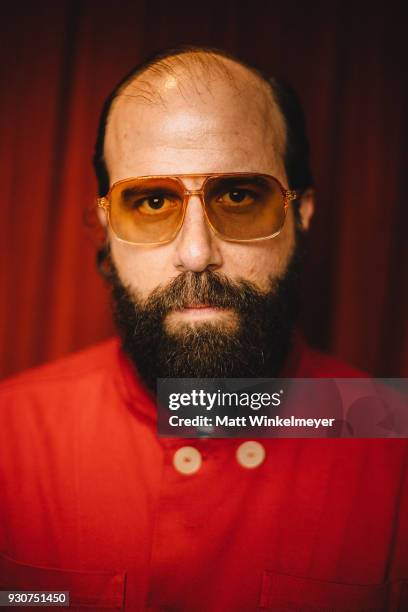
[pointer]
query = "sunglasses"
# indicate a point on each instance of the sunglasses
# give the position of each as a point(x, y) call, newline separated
point(238, 207)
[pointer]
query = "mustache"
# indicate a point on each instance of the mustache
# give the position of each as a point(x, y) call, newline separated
point(211, 288)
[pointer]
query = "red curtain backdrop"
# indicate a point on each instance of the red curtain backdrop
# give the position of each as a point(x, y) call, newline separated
point(60, 59)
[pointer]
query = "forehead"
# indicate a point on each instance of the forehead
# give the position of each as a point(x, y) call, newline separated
point(201, 122)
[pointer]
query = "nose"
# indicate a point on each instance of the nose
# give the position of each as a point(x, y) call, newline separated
point(197, 247)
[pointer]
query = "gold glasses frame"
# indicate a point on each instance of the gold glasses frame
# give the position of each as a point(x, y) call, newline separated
point(288, 196)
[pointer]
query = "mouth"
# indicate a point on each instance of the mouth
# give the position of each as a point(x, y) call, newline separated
point(195, 314)
point(199, 306)
point(199, 310)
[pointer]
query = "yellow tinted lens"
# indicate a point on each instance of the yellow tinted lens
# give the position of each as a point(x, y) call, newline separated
point(245, 207)
point(146, 211)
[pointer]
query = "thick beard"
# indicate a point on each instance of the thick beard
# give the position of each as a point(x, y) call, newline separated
point(255, 346)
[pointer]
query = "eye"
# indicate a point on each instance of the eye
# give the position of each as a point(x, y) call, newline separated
point(155, 204)
point(237, 197)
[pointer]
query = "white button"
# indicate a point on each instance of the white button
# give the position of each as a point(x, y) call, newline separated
point(187, 460)
point(250, 454)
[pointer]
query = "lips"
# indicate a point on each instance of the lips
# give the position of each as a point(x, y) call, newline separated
point(198, 306)
point(199, 312)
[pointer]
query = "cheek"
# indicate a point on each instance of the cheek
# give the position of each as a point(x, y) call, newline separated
point(141, 268)
point(261, 261)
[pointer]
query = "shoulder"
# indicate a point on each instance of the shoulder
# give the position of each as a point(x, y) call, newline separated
point(322, 365)
point(308, 362)
point(64, 373)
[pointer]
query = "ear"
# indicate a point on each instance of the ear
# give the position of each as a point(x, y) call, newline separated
point(103, 219)
point(306, 207)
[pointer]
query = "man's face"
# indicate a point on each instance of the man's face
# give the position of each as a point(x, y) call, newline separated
point(213, 127)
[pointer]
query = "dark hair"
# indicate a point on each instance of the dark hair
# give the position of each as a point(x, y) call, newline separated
point(296, 157)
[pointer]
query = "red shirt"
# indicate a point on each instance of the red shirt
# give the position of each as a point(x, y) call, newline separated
point(93, 502)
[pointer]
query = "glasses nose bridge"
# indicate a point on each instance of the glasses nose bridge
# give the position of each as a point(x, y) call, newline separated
point(201, 194)
point(194, 192)
point(190, 192)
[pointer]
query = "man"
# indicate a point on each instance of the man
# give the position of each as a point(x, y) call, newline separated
point(205, 193)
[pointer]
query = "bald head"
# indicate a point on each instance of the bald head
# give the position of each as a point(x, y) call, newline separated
point(194, 69)
point(195, 113)
point(194, 75)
